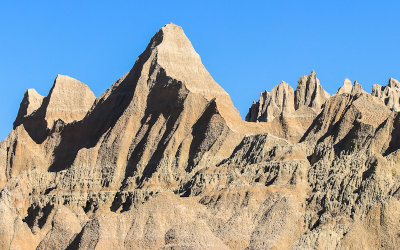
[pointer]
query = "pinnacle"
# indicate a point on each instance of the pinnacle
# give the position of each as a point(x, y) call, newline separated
point(30, 92)
point(174, 53)
point(393, 83)
point(30, 103)
point(66, 83)
point(282, 83)
point(64, 78)
point(357, 89)
point(171, 34)
point(171, 26)
point(346, 87)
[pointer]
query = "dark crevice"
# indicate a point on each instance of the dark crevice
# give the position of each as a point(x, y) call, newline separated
point(37, 216)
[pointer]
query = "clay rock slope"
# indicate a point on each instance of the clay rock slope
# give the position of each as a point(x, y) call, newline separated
point(162, 160)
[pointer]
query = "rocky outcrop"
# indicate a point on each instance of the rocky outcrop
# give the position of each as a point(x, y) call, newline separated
point(389, 94)
point(68, 100)
point(283, 101)
point(349, 88)
point(30, 103)
point(272, 104)
point(289, 112)
point(310, 93)
point(346, 87)
point(163, 160)
point(351, 172)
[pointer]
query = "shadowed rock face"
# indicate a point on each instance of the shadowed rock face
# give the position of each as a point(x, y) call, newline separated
point(68, 100)
point(30, 103)
point(163, 160)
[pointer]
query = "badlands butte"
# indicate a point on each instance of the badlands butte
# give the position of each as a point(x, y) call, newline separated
point(163, 160)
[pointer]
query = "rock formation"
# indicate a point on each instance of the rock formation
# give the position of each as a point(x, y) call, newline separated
point(346, 87)
point(389, 94)
point(310, 93)
point(271, 105)
point(162, 159)
point(291, 112)
point(30, 103)
point(282, 100)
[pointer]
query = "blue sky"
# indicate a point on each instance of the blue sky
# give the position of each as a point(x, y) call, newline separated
point(247, 47)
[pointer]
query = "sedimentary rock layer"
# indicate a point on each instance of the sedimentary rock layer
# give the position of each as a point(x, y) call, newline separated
point(162, 159)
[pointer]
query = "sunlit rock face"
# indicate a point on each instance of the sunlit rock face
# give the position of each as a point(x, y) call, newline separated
point(162, 160)
point(389, 94)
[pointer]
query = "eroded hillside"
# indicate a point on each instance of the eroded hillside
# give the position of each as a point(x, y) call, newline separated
point(162, 159)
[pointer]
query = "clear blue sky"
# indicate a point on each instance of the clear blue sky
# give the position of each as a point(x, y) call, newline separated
point(247, 47)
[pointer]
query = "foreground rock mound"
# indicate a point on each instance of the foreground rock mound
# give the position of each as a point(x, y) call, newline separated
point(162, 159)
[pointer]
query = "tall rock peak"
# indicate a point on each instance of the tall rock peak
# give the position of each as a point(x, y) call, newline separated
point(31, 102)
point(272, 104)
point(283, 100)
point(68, 100)
point(176, 55)
point(283, 96)
point(357, 89)
point(393, 83)
point(170, 58)
point(309, 92)
point(160, 161)
point(346, 87)
point(350, 88)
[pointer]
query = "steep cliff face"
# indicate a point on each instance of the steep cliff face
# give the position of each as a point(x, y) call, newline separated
point(163, 160)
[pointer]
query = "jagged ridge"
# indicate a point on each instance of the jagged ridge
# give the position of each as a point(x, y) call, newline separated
point(163, 160)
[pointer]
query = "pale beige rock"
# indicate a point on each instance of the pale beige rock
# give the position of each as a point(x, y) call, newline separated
point(30, 103)
point(14, 234)
point(284, 117)
point(65, 226)
point(162, 160)
point(271, 105)
point(68, 100)
point(389, 94)
point(346, 88)
point(309, 92)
